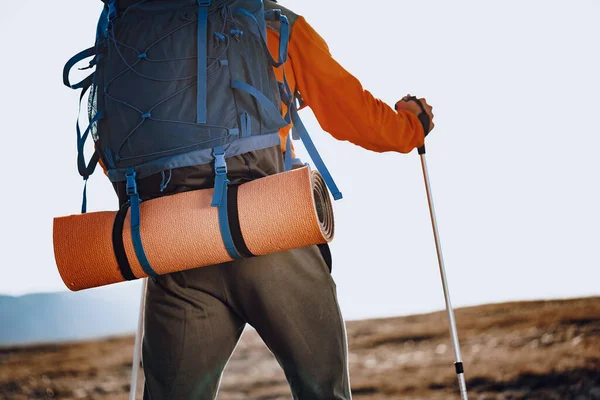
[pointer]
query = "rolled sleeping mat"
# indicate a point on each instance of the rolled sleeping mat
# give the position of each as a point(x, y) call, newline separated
point(180, 232)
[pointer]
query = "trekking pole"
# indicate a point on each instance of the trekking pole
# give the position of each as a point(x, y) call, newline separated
point(138, 344)
point(453, 331)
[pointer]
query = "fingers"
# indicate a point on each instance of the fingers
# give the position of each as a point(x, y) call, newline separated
point(426, 107)
point(428, 110)
point(410, 106)
point(409, 103)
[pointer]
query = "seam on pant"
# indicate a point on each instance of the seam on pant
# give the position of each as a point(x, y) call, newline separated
point(224, 289)
point(204, 354)
point(182, 347)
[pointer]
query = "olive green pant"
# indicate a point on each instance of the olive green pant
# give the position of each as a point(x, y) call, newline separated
point(194, 319)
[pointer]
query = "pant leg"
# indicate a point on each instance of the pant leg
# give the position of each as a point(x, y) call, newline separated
point(290, 298)
point(189, 336)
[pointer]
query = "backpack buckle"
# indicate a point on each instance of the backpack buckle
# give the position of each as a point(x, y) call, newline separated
point(131, 187)
point(203, 3)
point(220, 163)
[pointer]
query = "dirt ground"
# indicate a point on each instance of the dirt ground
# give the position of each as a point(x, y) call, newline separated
point(529, 350)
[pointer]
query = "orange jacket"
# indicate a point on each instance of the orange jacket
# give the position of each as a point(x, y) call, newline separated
point(338, 100)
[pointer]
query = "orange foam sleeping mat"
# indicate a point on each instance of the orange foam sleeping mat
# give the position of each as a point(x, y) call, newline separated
point(180, 232)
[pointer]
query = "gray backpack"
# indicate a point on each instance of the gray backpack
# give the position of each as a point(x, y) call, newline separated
point(179, 83)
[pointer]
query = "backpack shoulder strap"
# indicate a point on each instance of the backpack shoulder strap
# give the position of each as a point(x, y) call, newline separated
point(270, 5)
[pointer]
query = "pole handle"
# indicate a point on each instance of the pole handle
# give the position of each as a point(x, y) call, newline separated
point(423, 118)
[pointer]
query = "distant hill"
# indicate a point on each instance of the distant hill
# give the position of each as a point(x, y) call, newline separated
point(51, 317)
point(542, 350)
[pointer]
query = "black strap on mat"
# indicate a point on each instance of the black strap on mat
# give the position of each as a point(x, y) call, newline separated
point(119, 246)
point(234, 225)
point(234, 222)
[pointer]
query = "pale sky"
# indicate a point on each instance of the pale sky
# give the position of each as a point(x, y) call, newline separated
point(513, 158)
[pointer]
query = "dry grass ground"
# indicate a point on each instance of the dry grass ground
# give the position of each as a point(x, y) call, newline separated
point(532, 350)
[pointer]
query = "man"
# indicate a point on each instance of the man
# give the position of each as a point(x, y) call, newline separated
point(194, 319)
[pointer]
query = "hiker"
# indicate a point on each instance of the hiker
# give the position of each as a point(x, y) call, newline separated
point(194, 319)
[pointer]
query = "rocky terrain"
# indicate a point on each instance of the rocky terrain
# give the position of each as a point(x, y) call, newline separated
point(530, 350)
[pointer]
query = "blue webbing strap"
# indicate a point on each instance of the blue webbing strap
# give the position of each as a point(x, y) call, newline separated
point(71, 63)
point(287, 97)
point(245, 125)
point(112, 9)
point(314, 153)
point(85, 83)
point(284, 38)
point(284, 33)
point(220, 175)
point(84, 199)
point(288, 153)
point(89, 171)
point(202, 84)
point(220, 200)
point(267, 106)
point(136, 237)
point(225, 230)
point(86, 170)
point(102, 27)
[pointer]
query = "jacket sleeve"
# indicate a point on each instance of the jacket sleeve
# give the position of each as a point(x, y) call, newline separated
point(341, 105)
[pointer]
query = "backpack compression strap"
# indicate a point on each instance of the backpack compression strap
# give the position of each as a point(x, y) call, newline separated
point(202, 51)
point(272, 15)
point(136, 237)
point(220, 200)
point(85, 170)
